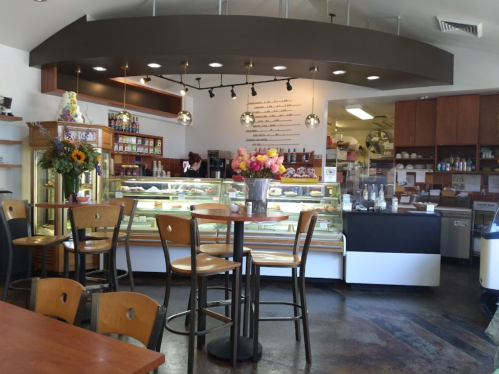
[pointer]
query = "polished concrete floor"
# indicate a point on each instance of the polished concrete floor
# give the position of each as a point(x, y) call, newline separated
point(354, 330)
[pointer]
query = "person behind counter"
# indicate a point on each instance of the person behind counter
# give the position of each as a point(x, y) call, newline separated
point(195, 164)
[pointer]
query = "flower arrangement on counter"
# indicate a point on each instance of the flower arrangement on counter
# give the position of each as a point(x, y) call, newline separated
point(70, 155)
point(258, 165)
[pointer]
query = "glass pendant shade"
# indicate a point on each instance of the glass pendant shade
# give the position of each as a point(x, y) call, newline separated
point(312, 121)
point(124, 117)
point(184, 118)
point(247, 119)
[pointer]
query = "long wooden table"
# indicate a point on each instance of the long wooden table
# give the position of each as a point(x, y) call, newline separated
point(33, 343)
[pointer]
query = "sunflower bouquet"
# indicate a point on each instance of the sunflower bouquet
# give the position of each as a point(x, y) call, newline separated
point(70, 154)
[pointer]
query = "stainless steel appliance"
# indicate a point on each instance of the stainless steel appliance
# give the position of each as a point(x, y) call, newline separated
point(217, 163)
point(456, 233)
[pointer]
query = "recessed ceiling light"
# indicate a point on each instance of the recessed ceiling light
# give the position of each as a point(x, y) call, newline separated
point(154, 65)
point(40, 1)
point(373, 77)
point(424, 97)
point(215, 65)
point(339, 72)
point(99, 68)
point(280, 67)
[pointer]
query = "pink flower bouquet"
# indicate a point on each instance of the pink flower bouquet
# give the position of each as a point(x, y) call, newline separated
point(258, 165)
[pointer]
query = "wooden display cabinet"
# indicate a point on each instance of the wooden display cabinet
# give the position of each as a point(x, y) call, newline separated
point(488, 133)
point(457, 120)
point(415, 123)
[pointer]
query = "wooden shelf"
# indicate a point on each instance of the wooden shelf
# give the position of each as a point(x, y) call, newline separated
point(10, 118)
point(9, 166)
point(10, 142)
point(298, 163)
point(137, 134)
point(414, 159)
point(491, 159)
point(135, 154)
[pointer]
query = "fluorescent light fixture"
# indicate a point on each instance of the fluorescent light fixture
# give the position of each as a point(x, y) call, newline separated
point(339, 72)
point(373, 77)
point(215, 65)
point(154, 65)
point(99, 68)
point(279, 67)
point(357, 111)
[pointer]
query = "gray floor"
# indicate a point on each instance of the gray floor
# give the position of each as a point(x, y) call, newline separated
point(364, 329)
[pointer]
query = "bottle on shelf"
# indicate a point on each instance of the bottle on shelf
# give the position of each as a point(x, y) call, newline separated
point(293, 157)
point(138, 125)
point(288, 156)
point(365, 195)
point(304, 156)
point(395, 203)
point(373, 193)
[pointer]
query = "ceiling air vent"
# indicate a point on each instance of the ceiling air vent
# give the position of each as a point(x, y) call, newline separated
point(460, 27)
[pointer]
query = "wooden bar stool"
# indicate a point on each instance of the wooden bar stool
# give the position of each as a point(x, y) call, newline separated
point(198, 267)
point(129, 207)
point(225, 250)
point(89, 216)
point(58, 297)
point(17, 225)
point(306, 224)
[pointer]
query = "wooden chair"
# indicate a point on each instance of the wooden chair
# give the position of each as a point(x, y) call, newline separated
point(58, 297)
point(129, 207)
point(225, 250)
point(17, 227)
point(89, 216)
point(198, 267)
point(131, 314)
point(306, 224)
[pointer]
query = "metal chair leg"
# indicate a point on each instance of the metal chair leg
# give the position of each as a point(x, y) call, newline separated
point(8, 276)
point(295, 300)
point(30, 262)
point(66, 264)
point(44, 262)
point(77, 266)
point(192, 326)
point(236, 285)
point(188, 316)
point(252, 309)
point(201, 305)
point(247, 285)
point(306, 332)
point(129, 264)
point(256, 316)
point(227, 296)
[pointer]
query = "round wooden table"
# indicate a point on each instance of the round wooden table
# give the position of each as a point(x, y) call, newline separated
point(220, 347)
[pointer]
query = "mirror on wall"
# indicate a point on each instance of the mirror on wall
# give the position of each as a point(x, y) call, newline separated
point(376, 140)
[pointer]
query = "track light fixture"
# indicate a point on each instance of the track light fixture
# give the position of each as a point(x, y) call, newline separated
point(144, 80)
point(232, 93)
point(212, 95)
point(253, 91)
point(288, 86)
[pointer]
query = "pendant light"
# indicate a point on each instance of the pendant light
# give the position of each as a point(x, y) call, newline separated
point(312, 121)
point(247, 119)
point(77, 71)
point(124, 117)
point(184, 117)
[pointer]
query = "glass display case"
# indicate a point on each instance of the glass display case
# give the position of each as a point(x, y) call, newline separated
point(291, 198)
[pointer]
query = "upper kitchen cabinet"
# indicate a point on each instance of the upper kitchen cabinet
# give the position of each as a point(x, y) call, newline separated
point(457, 120)
point(488, 132)
point(415, 123)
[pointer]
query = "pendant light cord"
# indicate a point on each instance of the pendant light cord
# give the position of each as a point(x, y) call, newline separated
point(247, 91)
point(124, 91)
point(77, 81)
point(185, 75)
point(313, 91)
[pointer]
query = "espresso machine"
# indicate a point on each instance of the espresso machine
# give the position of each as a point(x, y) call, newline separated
point(217, 163)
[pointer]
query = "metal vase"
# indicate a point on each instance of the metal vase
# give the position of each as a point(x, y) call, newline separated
point(255, 191)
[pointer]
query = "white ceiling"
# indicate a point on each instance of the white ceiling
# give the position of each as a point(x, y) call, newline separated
point(26, 23)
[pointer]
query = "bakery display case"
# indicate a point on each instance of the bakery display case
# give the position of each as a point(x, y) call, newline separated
point(164, 195)
point(292, 198)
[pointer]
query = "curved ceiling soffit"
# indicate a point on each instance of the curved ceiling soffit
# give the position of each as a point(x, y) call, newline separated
point(234, 40)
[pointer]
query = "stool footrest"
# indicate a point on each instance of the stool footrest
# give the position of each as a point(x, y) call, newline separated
point(197, 333)
point(27, 287)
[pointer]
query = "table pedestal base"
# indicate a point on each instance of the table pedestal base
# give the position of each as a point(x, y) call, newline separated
point(220, 348)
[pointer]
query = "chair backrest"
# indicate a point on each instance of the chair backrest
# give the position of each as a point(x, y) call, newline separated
point(129, 208)
point(178, 230)
point(200, 221)
point(96, 216)
point(15, 218)
point(58, 297)
point(128, 313)
point(306, 225)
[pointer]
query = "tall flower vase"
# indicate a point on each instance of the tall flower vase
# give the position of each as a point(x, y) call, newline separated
point(255, 191)
point(70, 186)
